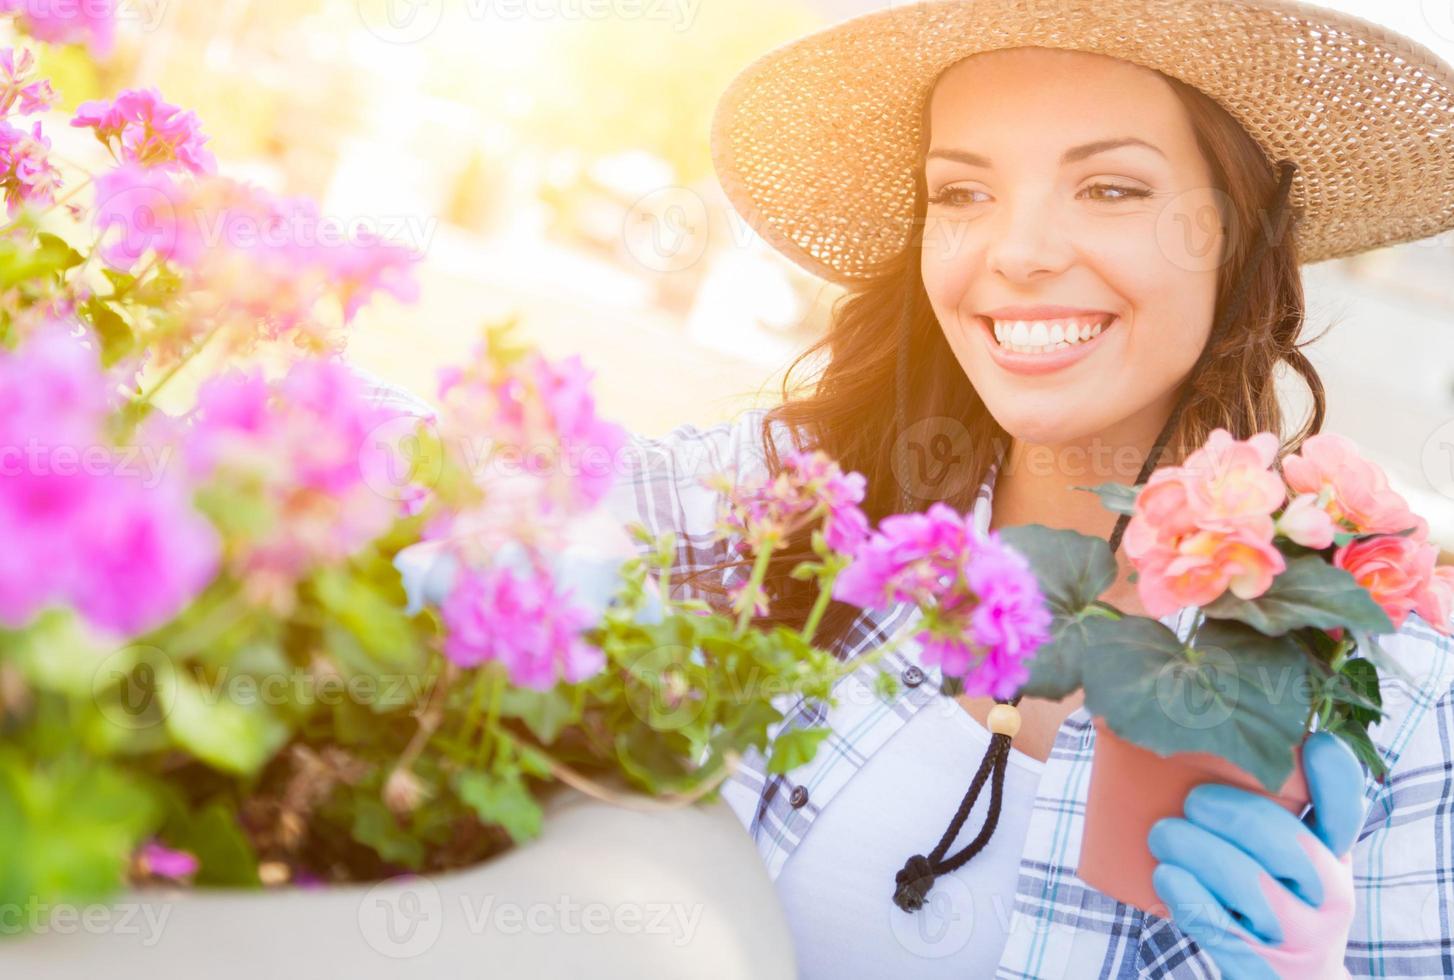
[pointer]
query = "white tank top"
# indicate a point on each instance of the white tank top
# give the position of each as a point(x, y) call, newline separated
point(837, 886)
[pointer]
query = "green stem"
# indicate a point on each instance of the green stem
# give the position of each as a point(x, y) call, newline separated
point(820, 606)
point(754, 585)
point(146, 399)
point(492, 720)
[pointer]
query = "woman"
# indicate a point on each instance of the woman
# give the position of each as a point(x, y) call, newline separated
point(992, 181)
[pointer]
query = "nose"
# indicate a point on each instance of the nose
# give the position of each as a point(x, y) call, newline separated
point(1025, 241)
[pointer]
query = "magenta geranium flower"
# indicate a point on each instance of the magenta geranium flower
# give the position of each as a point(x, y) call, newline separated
point(810, 487)
point(20, 91)
point(983, 611)
point(26, 172)
point(166, 862)
point(123, 547)
point(139, 127)
point(534, 422)
point(88, 22)
point(302, 443)
point(521, 620)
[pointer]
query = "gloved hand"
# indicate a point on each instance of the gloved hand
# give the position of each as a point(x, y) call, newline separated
point(1264, 893)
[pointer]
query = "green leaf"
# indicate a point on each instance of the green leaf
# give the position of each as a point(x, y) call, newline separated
point(116, 336)
point(794, 748)
point(1073, 569)
point(1241, 695)
point(1056, 667)
point(544, 712)
point(59, 250)
point(1309, 592)
point(375, 826)
point(502, 800)
point(1356, 737)
point(232, 736)
point(223, 853)
point(1116, 497)
point(1362, 693)
point(68, 827)
point(379, 624)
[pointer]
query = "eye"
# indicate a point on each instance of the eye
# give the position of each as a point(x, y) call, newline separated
point(953, 196)
point(1120, 192)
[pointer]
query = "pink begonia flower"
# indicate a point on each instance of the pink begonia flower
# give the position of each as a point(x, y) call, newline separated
point(519, 619)
point(139, 127)
point(166, 862)
point(89, 22)
point(1352, 489)
point(20, 91)
point(126, 550)
point(1202, 528)
point(1399, 572)
point(1436, 605)
point(988, 614)
point(26, 172)
point(1306, 522)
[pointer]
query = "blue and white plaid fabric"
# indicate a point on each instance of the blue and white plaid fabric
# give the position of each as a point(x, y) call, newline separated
point(1403, 860)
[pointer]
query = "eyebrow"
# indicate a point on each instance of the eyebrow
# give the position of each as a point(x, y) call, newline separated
point(1072, 155)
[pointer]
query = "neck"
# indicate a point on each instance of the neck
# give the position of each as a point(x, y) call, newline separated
point(1036, 482)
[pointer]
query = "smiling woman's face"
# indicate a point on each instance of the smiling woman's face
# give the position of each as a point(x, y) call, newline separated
point(1025, 212)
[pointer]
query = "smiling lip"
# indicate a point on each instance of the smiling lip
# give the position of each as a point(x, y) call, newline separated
point(1042, 312)
point(1018, 363)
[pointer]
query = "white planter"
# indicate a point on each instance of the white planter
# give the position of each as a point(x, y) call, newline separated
point(603, 892)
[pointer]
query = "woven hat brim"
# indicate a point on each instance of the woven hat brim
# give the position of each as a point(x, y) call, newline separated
point(815, 143)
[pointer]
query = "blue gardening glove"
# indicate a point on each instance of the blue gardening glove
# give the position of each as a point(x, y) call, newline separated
point(1264, 893)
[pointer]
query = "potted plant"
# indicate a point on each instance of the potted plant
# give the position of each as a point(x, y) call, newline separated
point(222, 690)
point(211, 675)
point(1293, 574)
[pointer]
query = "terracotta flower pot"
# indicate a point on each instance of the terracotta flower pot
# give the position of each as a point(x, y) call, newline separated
point(1130, 789)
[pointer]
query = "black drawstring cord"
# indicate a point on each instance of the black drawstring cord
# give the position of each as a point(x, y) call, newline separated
point(913, 882)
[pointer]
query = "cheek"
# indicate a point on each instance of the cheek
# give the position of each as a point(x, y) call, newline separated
point(947, 272)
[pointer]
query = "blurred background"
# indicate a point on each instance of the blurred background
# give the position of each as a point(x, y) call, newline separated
point(551, 159)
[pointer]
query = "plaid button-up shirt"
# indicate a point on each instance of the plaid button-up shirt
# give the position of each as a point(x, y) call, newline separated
point(1403, 861)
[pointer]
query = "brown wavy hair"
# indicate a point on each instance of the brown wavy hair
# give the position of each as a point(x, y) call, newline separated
point(848, 408)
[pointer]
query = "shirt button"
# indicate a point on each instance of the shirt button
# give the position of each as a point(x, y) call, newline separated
point(912, 676)
point(799, 797)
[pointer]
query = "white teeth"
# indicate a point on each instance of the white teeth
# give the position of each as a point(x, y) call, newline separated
point(1042, 336)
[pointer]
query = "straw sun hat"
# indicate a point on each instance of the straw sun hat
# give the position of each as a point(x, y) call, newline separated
point(815, 143)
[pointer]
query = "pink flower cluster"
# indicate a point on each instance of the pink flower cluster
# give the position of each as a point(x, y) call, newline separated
point(984, 608)
point(20, 91)
point(89, 22)
point(521, 620)
point(1208, 526)
point(260, 256)
point(539, 419)
point(808, 488)
point(26, 173)
point(139, 127)
point(306, 440)
point(84, 525)
point(1333, 488)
